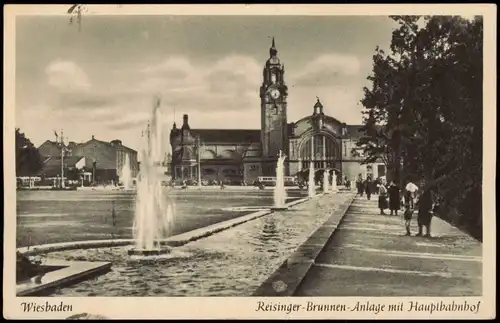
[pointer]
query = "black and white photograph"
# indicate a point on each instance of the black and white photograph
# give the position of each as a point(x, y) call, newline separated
point(210, 155)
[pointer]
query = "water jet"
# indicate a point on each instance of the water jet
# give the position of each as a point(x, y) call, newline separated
point(311, 184)
point(279, 189)
point(154, 211)
point(126, 176)
point(334, 182)
point(326, 180)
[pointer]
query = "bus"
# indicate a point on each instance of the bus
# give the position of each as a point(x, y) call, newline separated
point(271, 181)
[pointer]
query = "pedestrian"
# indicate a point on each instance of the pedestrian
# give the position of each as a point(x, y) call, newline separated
point(382, 198)
point(368, 188)
point(360, 186)
point(410, 193)
point(425, 213)
point(394, 198)
point(375, 185)
point(408, 214)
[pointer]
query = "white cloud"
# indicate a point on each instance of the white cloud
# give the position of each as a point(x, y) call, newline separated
point(327, 69)
point(229, 83)
point(174, 68)
point(67, 76)
point(128, 120)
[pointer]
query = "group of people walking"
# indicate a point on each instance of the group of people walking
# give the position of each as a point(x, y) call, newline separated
point(367, 186)
point(390, 191)
point(389, 197)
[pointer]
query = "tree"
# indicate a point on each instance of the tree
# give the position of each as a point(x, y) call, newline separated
point(28, 159)
point(424, 109)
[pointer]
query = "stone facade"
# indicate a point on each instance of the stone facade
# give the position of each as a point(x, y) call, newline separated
point(236, 155)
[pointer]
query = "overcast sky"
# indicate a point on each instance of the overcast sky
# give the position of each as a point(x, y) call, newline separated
point(101, 81)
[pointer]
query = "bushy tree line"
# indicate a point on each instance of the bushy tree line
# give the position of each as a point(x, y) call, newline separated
point(28, 159)
point(423, 112)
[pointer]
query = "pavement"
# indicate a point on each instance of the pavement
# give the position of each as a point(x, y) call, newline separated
point(64, 272)
point(369, 255)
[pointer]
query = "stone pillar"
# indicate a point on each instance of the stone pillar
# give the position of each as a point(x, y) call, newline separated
point(300, 164)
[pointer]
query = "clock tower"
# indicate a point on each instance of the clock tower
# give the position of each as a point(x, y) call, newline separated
point(273, 98)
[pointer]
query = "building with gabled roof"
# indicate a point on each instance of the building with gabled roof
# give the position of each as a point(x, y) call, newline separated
point(106, 159)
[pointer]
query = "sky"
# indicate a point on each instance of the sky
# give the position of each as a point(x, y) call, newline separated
point(102, 80)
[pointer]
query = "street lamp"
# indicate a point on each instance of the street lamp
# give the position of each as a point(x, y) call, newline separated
point(198, 159)
point(62, 160)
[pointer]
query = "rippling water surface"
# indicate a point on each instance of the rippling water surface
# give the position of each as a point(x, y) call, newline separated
point(230, 263)
point(60, 216)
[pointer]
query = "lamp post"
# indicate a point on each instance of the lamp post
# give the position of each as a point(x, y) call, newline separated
point(62, 160)
point(198, 157)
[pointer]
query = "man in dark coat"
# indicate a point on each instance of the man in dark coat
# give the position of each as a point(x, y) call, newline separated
point(360, 186)
point(394, 198)
point(425, 213)
point(368, 188)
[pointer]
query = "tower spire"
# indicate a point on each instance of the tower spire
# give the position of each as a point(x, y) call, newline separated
point(174, 125)
point(273, 51)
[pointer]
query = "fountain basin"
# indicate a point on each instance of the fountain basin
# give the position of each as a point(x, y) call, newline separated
point(233, 262)
point(149, 253)
point(279, 208)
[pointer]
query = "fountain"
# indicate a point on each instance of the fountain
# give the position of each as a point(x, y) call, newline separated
point(312, 184)
point(126, 177)
point(325, 180)
point(279, 189)
point(334, 182)
point(154, 212)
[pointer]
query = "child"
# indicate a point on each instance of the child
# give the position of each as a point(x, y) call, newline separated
point(407, 217)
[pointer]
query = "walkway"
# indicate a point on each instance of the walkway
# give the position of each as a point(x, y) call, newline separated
point(368, 255)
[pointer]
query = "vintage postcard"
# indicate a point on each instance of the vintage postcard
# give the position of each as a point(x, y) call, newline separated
point(249, 161)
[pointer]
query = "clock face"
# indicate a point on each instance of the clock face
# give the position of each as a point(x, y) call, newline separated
point(275, 93)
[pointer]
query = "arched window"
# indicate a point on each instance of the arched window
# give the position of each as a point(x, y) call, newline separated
point(273, 77)
point(324, 146)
